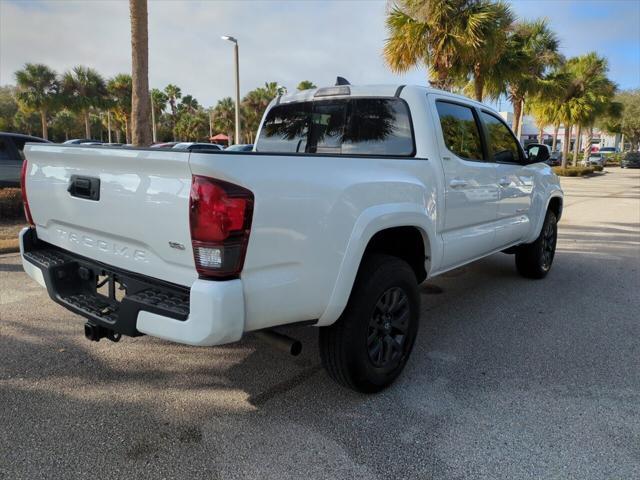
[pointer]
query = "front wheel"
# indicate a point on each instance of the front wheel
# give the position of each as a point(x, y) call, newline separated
point(369, 345)
point(534, 260)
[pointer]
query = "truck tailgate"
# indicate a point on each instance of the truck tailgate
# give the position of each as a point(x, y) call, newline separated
point(139, 223)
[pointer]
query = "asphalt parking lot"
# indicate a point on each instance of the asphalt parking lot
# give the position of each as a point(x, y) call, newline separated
point(510, 378)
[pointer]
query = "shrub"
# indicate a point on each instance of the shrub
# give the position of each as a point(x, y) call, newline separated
point(598, 168)
point(10, 204)
point(614, 159)
point(573, 171)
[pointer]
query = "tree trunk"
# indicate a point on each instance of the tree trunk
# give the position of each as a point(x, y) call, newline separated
point(43, 119)
point(519, 130)
point(586, 150)
point(127, 130)
point(87, 124)
point(140, 103)
point(517, 114)
point(541, 135)
point(576, 146)
point(118, 134)
point(66, 135)
point(478, 82)
point(565, 146)
point(555, 137)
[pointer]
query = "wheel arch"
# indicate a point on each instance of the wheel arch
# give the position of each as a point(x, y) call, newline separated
point(384, 229)
point(554, 201)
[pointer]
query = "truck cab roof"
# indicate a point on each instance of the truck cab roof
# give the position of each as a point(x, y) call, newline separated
point(384, 90)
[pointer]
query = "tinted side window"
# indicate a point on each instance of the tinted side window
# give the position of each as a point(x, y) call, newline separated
point(503, 146)
point(378, 126)
point(285, 129)
point(460, 130)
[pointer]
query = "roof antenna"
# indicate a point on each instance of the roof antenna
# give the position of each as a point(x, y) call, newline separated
point(342, 81)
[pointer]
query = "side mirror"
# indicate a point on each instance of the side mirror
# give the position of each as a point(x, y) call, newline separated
point(543, 155)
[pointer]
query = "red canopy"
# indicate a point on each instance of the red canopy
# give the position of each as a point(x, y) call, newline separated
point(220, 136)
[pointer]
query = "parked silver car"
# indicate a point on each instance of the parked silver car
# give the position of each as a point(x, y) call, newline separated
point(594, 159)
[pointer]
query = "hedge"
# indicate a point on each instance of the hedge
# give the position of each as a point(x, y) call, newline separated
point(10, 204)
point(575, 171)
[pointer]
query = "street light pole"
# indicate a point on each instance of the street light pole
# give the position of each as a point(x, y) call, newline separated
point(109, 124)
point(237, 68)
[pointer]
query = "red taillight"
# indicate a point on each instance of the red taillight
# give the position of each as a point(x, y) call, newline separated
point(220, 219)
point(23, 187)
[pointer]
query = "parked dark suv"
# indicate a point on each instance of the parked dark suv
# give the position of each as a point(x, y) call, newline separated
point(11, 156)
point(630, 160)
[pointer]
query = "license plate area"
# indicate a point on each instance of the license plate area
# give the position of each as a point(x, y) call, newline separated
point(109, 286)
point(106, 296)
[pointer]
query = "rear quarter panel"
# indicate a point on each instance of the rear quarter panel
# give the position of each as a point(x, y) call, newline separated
point(313, 217)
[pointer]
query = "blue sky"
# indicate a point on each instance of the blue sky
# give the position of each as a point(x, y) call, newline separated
point(283, 41)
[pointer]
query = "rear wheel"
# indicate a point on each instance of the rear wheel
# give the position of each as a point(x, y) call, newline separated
point(534, 260)
point(369, 345)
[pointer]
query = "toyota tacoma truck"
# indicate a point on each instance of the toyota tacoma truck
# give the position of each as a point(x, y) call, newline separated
point(352, 197)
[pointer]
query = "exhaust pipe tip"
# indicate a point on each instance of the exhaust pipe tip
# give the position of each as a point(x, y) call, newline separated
point(280, 341)
point(296, 348)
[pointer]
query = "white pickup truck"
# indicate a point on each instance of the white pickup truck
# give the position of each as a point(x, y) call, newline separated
point(353, 196)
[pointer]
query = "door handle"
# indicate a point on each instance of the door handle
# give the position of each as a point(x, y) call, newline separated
point(504, 182)
point(457, 183)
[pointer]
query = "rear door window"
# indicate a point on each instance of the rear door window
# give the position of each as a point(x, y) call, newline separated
point(460, 130)
point(362, 126)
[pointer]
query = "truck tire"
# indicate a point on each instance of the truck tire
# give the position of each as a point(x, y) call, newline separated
point(534, 260)
point(369, 345)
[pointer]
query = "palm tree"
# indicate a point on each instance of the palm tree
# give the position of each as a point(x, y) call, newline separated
point(140, 102)
point(38, 90)
point(587, 95)
point(66, 122)
point(305, 85)
point(83, 89)
point(254, 104)
point(174, 94)
point(159, 101)
point(224, 116)
point(188, 104)
point(441, 34)
point(496, 20)
point(119, 88)
point(536, 48)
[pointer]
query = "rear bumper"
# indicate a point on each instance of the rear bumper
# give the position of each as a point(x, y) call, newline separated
point(208, 313)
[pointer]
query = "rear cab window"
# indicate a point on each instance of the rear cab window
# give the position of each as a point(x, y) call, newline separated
point(347, 126)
